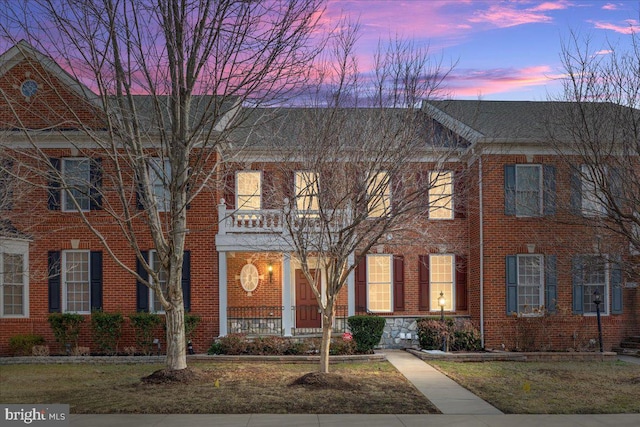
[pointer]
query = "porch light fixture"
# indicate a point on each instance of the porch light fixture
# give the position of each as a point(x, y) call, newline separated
point(441, 302)
point(270, 270)
point(597, 301)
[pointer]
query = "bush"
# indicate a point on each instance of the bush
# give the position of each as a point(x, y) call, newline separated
point(366, 331)
point(191, 322)
point(66, 328)
point(269, 345)
point(460, 336)
point(22, 345)
point(144, 326)
point(232, 344)
point(237, 344)
point(107, 330)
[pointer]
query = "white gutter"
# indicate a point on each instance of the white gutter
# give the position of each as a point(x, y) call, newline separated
point(481, 221)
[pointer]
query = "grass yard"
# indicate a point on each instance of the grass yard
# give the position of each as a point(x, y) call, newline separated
point(551, 387)
point(225, 387)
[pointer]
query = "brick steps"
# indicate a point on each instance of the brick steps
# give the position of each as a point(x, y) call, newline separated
point(630, 346)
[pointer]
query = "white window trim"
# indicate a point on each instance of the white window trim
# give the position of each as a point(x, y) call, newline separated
point(540, 190)
point(453, 282)
point(390, 257)
point(452, 195)
point(541, 288)
point(17, 247)
point(605, 300)
point(65, 192)
point(152, 295)
point(63, 279)
point(237, 191)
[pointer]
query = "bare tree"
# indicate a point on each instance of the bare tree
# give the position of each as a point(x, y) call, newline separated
point(351, 163)
point(596, 131)
point(195, 63)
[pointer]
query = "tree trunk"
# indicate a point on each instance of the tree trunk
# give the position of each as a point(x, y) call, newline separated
point(327, 326)
point(176, 340)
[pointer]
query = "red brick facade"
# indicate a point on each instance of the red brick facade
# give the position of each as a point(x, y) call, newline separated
point(483, 235)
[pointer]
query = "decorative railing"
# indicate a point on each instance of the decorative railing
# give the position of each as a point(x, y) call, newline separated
point(273, 220)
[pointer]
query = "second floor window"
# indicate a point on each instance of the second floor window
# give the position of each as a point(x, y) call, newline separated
point(248, 190)
point(379, 195)
point(593, 199)
point(154, 262)
point(441, 195)
point(528, 190)
point(160, 178)
point(77, 178)
point(306, 190)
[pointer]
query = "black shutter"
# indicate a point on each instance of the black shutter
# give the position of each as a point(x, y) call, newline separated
point(616, 287)
point(361, 285)
point(461, 283)
point(423, 282)
point(6, 167)
point(577, 268)
point(142, 291)
point(510, 190)
point(576, 192)
point(95, 190)
point(398, 283)
point(186, 280)
point(460, 192)
point(230, 190)
point(512, 284)
point(549, 196)
point(54, 281)
point(96, 280)
point(551, 282)
point(53, 200)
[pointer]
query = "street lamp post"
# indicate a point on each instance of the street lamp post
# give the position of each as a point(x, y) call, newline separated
point(441, 303)
point(597, 301)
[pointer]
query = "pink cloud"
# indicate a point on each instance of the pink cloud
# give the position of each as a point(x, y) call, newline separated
point(603, 52)
point(632, 26)
point(504, 16)
point(473, 83)
point(547, 6)
point(610, 6)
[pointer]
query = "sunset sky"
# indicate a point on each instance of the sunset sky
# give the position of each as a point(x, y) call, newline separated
point(506, 50)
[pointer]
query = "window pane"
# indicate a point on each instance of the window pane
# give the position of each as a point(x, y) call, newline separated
point(76, 279)
point(77, 177)
point(160, 178)
point(249, 191)
point(162, 278)
point(529, 283)
point(379, 195)
point(592, 197)
point(595, 277)
point(379, 282)
point(306, 184)
point(440, 195)
point(441, 280)
point(13, 284)
point(528, 190)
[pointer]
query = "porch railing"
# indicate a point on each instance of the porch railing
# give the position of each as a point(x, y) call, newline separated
point(267, 320)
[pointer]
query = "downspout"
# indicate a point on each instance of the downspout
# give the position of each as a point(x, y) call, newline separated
point(481, 221)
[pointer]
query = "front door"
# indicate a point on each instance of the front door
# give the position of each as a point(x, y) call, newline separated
point(307, 315)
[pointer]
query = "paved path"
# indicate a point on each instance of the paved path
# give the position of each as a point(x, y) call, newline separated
point(448, 396)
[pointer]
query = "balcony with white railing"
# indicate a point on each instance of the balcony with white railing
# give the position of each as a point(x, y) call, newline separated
point(268, 228)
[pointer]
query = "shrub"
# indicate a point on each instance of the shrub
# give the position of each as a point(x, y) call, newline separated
point(66, 328)
point(107, 330)
point(144, 326)
point(191, 322)
point(366, 331)
point(459, 336)
point(232, 344)
point(269, 345)
point(342, 347)
point(22, 345)
point(40, 350)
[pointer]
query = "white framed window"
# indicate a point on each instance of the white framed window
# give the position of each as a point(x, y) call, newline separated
point(441, 279)
point(76, 293)
point(441, 195)
point(379, 195)
point(249, 190)
point(76, 173)
point(530, 283)
point(595, 275)
point(14, 278)
point(528, 190)
point(160, 179)
point(593, 199)
point(380, 283)
point(154, 262)
point(306, 190)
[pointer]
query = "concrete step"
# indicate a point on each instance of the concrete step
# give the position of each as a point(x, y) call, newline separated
point(627, 351)
point(630, 344)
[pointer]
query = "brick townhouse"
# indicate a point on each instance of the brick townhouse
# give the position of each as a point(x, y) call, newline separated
point(510, 243)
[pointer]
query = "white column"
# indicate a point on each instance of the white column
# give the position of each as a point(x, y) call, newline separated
point(287, 319)
point(351, 289)
point(222, 292)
